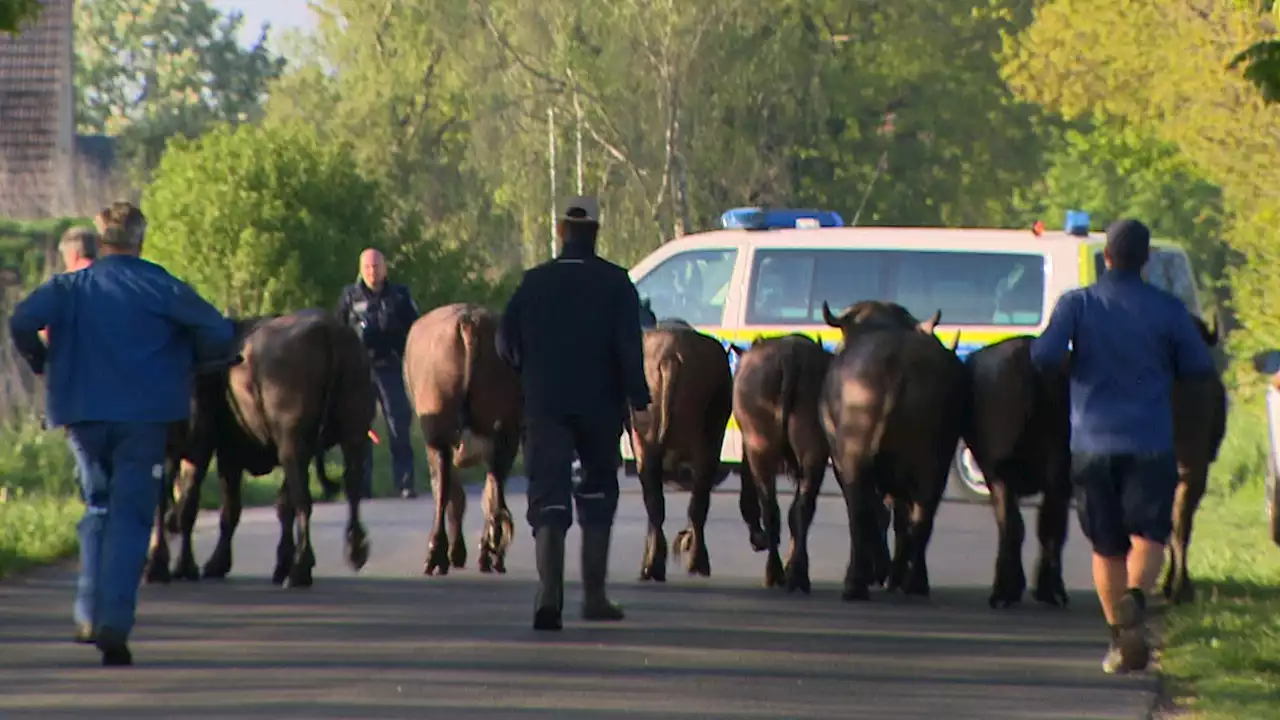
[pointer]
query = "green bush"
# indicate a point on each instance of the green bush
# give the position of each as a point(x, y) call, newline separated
point(39, 503)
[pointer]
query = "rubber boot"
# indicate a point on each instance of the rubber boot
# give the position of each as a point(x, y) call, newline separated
point(595, 566)
point(549, 555)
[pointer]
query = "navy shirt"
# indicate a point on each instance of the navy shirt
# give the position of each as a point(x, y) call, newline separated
point(124, 336)
point(381, 318)
point(1129, 341)
point(572, 329)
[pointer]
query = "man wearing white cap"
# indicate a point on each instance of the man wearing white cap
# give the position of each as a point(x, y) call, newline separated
point(572, 331)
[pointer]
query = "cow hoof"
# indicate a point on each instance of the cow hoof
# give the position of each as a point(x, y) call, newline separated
point(458, 556)
point(279, 575)
point(699, 565)
point(656, 573)
point(485, 563)
point(855, 594)
point(759, 540)
point(298, 579)
point(216, 570)
point(186, 571)
point(774, 574)
point(1180, 594)
point(437, 561)
point(358, 553)
point(919, 588)
point(797, 577)
point(1001, 601)
point(1055, 597)
point(158, 574)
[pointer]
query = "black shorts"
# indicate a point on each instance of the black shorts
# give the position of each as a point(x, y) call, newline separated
point(1118, 496)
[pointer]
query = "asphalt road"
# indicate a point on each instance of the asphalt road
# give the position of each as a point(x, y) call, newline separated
point(390, 643)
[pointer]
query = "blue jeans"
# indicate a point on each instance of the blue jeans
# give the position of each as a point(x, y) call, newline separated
point(120, 467)
point(389, 380)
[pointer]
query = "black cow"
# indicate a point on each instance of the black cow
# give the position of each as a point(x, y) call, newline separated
point(304, 386)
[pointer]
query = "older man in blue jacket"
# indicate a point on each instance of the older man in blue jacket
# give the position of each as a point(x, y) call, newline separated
point(123, 338)
point(1128, 342)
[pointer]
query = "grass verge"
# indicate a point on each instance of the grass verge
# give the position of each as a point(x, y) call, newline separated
point(40, 505)
point(1222, 652)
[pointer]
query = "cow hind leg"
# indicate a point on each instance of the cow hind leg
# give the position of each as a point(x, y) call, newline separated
point(439, 463)
point(157, 567)
point(653, 566)
point(298, 486)
point(1177, 586)
point(800, 519)
point(1010, 580)
point(455, 512)
point(231, 480)
point(285, 548)
point(893, 512)
point(190, 483)
point(764, 472)
point(1051, 527)
point(692, 541)
point(499, 528)
point(749, 508)
point(356, 542)
point(859, 496)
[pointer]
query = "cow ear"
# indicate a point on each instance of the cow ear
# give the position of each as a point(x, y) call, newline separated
point(929, 325)
point(827, 317)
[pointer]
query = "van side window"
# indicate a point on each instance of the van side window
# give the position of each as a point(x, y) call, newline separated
point(691, 286)
point(788, 286)
point(1168, 270)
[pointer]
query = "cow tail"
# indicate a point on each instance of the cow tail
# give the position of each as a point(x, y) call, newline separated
point(466, 333)
point(668, 377)
point(889, 400)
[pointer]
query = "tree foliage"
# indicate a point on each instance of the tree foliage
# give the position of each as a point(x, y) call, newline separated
point(272, 219)
point(146, 72)
point(13, 13)
point(1175, 85)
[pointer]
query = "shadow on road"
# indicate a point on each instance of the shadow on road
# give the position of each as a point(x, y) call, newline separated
point(461, 647)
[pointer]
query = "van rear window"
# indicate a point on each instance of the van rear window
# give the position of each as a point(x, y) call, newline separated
point(788, 286)
point(1168, 270)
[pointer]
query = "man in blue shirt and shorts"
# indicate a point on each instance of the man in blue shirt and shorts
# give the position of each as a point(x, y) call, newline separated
point(1127, 342)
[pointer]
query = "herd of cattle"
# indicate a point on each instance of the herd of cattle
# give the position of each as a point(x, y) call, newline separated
point(887, 409)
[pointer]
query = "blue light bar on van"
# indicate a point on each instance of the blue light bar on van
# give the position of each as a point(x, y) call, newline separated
point(752, 218)
point(1077, 223)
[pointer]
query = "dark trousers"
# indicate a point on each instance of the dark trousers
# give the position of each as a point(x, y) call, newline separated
point(549, 447)
point(1118, 496)
point(388, 378)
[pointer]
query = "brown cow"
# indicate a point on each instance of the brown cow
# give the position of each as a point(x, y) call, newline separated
point(1019, 435)
point(304, 386)
point(1199, 423)
point(894, 404)
point(692, 389)
point(468, 403)
point(775, 403)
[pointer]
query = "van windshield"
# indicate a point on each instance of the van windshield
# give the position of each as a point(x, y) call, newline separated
point(788, 286)
point(1168, 270)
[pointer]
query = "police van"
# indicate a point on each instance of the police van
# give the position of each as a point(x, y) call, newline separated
point(767, 272)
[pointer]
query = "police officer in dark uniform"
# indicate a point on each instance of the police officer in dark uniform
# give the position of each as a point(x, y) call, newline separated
point(572, 330)
point(382, 313)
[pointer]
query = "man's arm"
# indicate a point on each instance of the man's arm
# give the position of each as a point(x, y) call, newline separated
point(214, 335)
point(508, 339)
point(343, 309)
point(629, 344)
point(1191, 358)
point(1050, 349)
point(31, 316)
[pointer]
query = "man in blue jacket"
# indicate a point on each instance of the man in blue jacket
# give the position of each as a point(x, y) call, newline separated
point(1126, 341)
point(123, 339)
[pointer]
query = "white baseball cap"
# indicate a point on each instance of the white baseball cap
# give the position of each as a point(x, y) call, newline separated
point(586, 204)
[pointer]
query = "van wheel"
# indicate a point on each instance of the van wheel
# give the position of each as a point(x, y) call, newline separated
point(966, 479)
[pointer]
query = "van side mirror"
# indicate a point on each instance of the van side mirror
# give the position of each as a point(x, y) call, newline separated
point(1267, 362)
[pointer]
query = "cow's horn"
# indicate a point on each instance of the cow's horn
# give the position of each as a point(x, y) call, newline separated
point(956, 342)
point(736, 350)
point(830, 319)
point(929, 325)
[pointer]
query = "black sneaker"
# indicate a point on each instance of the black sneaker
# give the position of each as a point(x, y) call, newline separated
point(114, 648)
point(1129, 651)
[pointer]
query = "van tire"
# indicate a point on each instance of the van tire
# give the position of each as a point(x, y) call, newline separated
point(963, 486)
